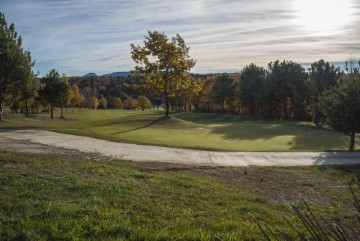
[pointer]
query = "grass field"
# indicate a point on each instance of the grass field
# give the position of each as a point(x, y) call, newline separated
point(52, 197)
point(189, 130)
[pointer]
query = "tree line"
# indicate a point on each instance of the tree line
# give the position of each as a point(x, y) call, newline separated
point(283, 90)
point(16, 76)
point(56, 90)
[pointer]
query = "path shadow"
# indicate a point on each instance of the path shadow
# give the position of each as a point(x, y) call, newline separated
point(351, 160)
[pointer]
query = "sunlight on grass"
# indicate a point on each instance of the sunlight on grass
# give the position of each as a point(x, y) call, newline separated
point(189, 130)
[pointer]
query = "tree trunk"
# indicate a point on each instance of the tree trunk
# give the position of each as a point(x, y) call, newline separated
point(62, 112)
point(1, 110)
point(317, 117)
point(26, 108)
point(52, 111)
point(167, 106)
point(352, 141)
point(285, 108)
point(269, 110)
point(251, 110)
point(2, 95)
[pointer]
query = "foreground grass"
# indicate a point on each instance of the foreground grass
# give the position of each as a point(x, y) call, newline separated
point(50, 197)
point(189, 130)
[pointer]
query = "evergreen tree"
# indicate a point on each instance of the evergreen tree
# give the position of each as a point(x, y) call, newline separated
point(55, 90)
point(64, 90)
point(223, 90)
point(15, 63)
point(322, 76)
point(251, 87)
point(287, 83)
point(341, 105)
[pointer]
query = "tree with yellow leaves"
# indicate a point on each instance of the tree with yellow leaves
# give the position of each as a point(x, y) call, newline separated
point(143, 103)
point(129, 103)
point(75, 98)
point(94, 102)
point(165, 63)
point(103, 103)
point(118, 103)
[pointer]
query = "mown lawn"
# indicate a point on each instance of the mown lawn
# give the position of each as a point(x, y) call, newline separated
point(189, 130)
point(53, 197)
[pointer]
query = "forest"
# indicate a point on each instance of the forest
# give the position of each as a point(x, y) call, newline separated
point(284, 90)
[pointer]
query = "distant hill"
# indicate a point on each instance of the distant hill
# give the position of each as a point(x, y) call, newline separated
point(119, 74)
point(114, 74)
point(127, 73)
point(90, 75)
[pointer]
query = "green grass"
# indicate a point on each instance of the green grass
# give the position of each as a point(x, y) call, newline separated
point(189, 130)
point(51, 197)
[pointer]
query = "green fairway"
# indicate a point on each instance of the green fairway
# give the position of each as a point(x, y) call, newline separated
point(189, 130)
point(53, 197)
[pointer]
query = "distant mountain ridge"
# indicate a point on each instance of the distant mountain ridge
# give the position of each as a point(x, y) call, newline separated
point(117, 74)
point(90, 75)
point(306, 66)
point(114, 74)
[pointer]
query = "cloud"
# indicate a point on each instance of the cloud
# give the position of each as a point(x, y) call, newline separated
point(83, 36)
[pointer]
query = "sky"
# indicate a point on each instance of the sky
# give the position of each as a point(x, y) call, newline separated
point(81, 36)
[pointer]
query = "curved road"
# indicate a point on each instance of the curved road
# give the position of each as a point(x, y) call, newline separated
point(143, 153)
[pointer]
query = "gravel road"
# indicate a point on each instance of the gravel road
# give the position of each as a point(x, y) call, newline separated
point(53, 142)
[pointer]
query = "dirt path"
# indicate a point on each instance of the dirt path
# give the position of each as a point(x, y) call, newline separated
point(52, 142)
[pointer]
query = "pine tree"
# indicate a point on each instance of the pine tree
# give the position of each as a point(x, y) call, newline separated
point(341, 106)
point(15, 63)
point(55, 90)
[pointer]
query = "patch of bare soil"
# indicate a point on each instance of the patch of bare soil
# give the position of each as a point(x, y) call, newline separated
point(278, 184)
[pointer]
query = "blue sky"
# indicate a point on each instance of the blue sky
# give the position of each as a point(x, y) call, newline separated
point(81, 36)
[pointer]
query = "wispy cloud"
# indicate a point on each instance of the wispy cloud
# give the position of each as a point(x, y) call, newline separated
point(77, 37)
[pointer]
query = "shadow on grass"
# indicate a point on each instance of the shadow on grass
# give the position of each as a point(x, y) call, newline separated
point(324, 142)
point(133, 119)
point(301, 137)
point(209, 118)
point(298, 136)
point(142, 127)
